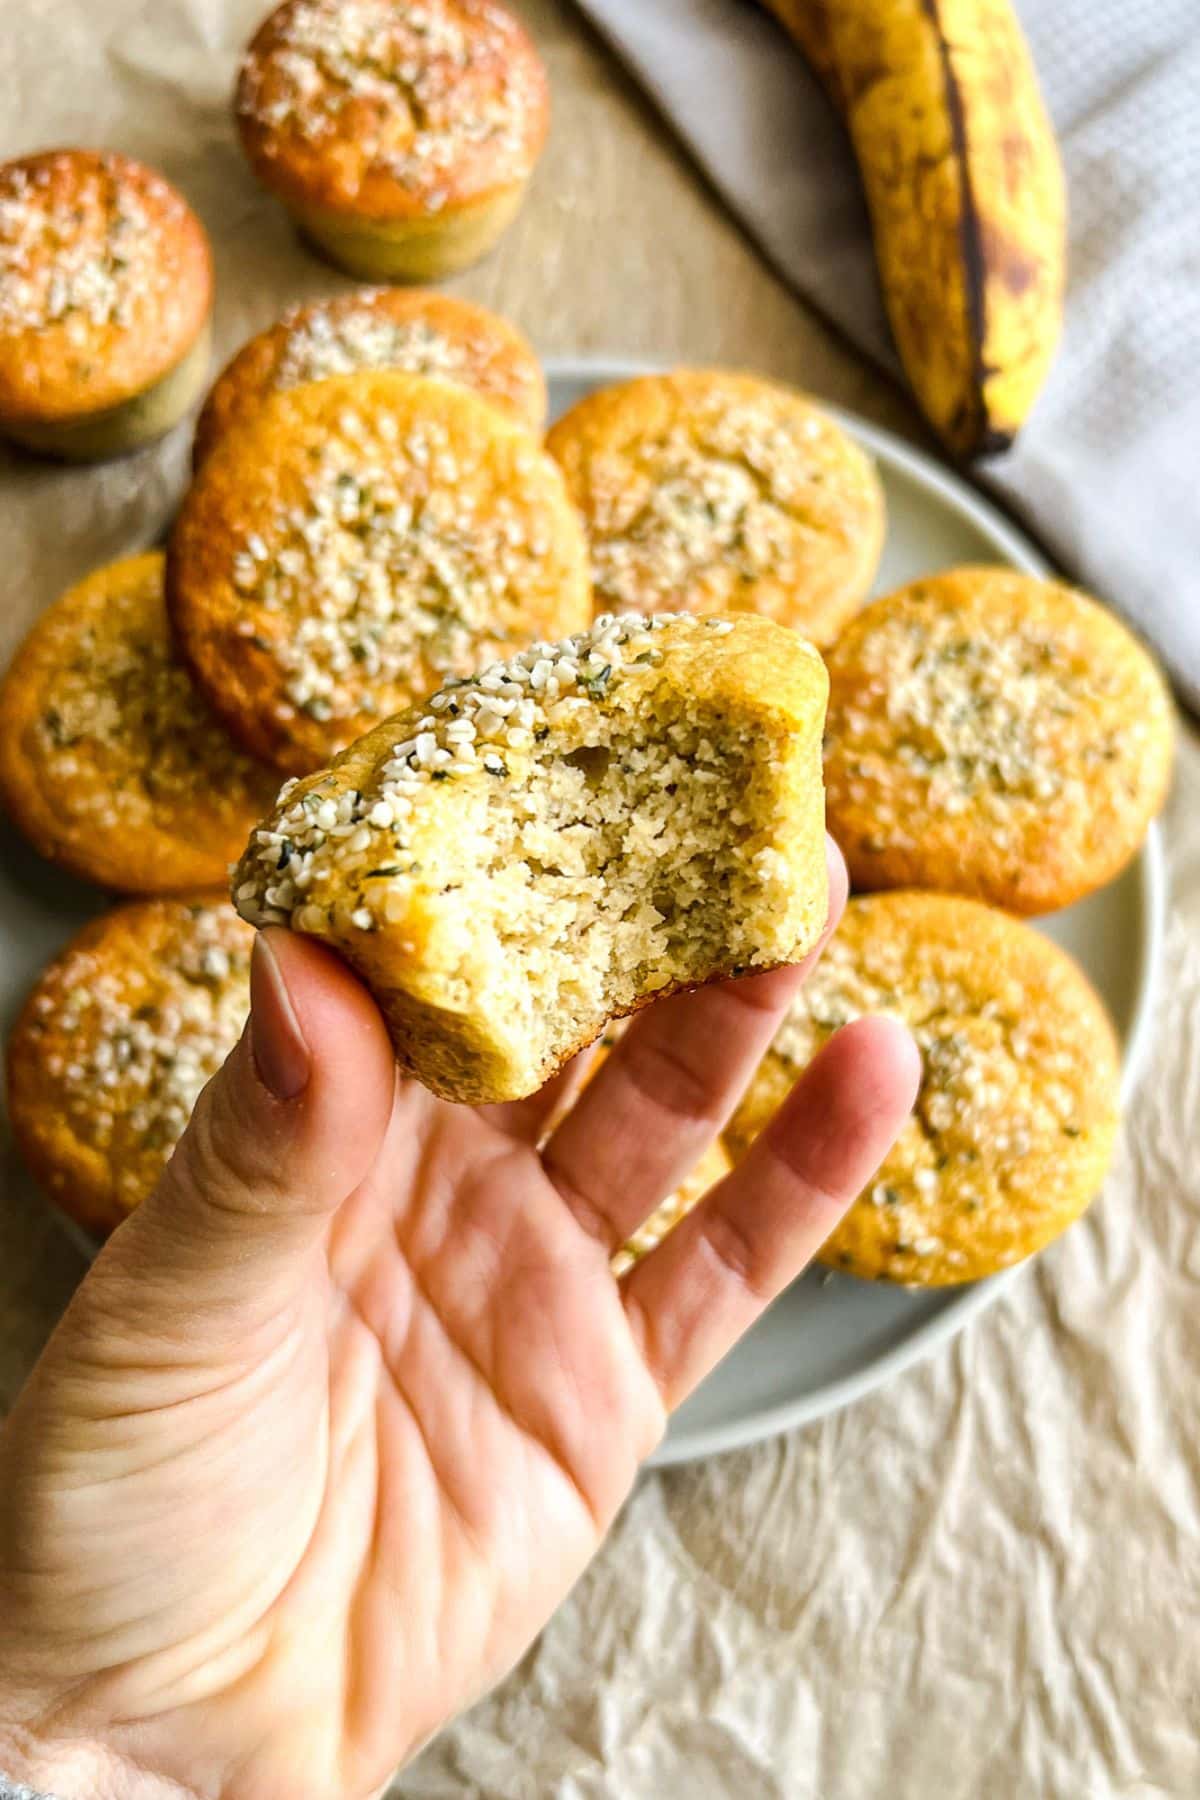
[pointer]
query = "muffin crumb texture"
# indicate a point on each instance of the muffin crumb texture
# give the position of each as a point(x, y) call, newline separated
point(556, 840)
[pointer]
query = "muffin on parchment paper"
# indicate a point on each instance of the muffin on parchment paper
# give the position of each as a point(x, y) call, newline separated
point(554, 842)
point(1014, 1125)
point(355, 541)
point(995, 735)
point(412, 330)
point(110, 763)
point(105, 294)
point(707, 491)
point(400, 134)
point(114, 1044)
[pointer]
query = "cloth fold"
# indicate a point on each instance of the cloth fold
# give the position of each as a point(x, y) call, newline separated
point(1107, 469)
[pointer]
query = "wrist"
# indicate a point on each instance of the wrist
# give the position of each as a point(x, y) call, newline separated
point(77, 1770)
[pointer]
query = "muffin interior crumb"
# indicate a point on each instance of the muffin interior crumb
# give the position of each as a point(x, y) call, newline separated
point(615, 870)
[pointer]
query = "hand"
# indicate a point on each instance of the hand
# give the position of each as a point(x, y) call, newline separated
point(340, 1414)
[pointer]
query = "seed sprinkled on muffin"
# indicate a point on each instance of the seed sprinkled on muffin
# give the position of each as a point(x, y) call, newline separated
point(353, 542)
point(431, 82)
point(996, 735)
point(105, 291)
point(414, 330)
point(709, 491)
point(470, 723)
point(110, 762)
point(400, 133)
point(1016, 1116)
point(120, 1034)
point(354, 539)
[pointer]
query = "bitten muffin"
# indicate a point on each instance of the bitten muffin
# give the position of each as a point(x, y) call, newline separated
point(110, 763)
point(354, 542)
point(1014, 1125)
point(105, 294)
point(705, 491)
point(995, 735)
point(550, 844)
point(380, 328)
point(400, 134)
point(114, 1044)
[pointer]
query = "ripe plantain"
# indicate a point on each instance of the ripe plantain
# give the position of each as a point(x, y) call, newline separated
point(965, 191)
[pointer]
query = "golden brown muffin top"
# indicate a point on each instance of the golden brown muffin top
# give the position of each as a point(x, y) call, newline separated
point(105, 282)
point(110, 762)
point(392, 108)
point(418, 332)
point(356, 541)
point(993, 734)
point(115, 1042)
point(709, 491)
point(1016, 1116)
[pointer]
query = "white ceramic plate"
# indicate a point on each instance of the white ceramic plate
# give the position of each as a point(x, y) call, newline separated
point(830, 1338)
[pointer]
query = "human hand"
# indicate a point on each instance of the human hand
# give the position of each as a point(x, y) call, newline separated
point(340, 1414)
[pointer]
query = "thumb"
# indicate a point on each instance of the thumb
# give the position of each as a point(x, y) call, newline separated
point(285, 1131)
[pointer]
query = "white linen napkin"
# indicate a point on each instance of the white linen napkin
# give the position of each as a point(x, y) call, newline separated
point(1107, 469)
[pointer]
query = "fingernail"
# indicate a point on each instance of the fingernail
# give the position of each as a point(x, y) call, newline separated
point(276, 1040)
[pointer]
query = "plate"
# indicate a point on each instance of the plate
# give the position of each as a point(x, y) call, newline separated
point(829, 1339)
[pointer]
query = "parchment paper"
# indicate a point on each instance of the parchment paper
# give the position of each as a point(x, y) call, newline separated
point(984, 1582)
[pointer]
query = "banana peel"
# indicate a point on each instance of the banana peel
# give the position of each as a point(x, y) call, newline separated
point(965, 190)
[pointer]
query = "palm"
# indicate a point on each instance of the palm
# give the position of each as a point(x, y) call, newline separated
point(312, 1457)
point(487, 1404)
point(390, 1486)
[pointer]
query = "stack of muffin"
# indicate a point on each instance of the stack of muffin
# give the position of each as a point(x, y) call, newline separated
point(373, 514)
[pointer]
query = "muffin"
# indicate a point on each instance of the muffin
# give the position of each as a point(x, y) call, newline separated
point(114, 1044)
point(110, 763)
point(399, 134)
point(704, 491)
point(380, 328)
point(354, 542)
point(995, 735)
point(105, 294)
point(548, 845)
point(1014, 1125)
